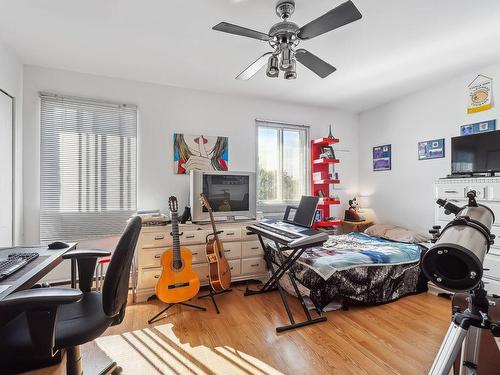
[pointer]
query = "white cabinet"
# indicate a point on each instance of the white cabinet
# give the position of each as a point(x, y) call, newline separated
point(242, 249)
point(488, 193)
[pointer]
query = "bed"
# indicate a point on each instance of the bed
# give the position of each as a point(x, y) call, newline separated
point(358, 268)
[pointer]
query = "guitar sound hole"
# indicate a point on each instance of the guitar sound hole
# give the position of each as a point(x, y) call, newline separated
point(177, 264)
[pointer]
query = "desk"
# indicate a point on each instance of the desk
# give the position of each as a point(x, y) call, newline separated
point(27, 276)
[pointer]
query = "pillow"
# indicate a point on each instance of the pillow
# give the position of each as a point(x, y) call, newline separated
point(396, 233)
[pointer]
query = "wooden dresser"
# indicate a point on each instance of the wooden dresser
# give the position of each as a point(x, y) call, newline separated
point(242, 249)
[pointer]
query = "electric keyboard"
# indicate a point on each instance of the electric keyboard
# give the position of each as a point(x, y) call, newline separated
point(15, 262)
point(287, 233)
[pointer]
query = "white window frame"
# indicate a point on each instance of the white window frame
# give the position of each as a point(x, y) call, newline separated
point(279, 207)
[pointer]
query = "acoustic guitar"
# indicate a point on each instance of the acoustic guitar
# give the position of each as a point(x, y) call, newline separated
point(218, 267)
point(177, 282)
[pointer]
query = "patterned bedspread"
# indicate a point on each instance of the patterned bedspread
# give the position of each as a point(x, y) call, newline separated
point(359, 268)
point(357, 249)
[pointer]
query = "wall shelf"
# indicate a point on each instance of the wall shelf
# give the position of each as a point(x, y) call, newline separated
point(326, 161)
point(322, 166)
point(325, 141)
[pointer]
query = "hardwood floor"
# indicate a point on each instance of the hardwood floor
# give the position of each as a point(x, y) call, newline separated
point(397, 338)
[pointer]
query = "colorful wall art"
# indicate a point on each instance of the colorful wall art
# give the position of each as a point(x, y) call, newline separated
point(382, 158)
point(200, 152)
point(431, 149)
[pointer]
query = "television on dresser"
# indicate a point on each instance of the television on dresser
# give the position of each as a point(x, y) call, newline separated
point(476, 154)
point(230, 194)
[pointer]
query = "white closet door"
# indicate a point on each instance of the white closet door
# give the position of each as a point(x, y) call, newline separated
point(6, 138)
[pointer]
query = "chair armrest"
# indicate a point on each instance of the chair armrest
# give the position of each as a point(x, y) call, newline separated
point(40, 306)
point(38, 298)
point(86, 259)
point(86, 253)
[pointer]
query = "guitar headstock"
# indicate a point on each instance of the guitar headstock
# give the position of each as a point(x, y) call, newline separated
point(172, 204)
point(204, 202)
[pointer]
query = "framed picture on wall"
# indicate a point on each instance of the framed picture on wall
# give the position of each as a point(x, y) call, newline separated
point(382, 158)
point(431, 149)
point(478, 127)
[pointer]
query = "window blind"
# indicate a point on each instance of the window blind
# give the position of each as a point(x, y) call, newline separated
point(88, 164)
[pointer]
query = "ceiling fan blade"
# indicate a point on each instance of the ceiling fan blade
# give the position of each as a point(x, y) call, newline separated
point(342, 15)
point(254, 67)
point(314, 63)
point(239, 30)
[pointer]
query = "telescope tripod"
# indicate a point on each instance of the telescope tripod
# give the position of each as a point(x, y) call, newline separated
point(465, 332)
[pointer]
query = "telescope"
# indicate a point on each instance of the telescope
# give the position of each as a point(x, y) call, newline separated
point(455, 261)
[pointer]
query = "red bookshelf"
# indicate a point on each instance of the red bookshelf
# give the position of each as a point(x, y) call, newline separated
point(322, 166)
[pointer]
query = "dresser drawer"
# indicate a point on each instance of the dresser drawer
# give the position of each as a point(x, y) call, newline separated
point(198, 252)
point(151, 257)
point(492, 286)
point(253, 265)
point(235, 267)
point(251, 249)
point(192, 236)
point(157, 239)
point(232, 250)
point(247, 235)
point(492, 262)
point(149, 277)
point(202, 271)
point(230, 234)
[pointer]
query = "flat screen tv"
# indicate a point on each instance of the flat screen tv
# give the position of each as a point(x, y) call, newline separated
point(230, 194)
point(477, 153)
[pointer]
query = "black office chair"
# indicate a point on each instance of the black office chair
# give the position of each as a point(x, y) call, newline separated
point(51, 320)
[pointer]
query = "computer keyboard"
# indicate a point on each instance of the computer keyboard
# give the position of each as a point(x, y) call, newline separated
point(278, 231)
point(15, 262)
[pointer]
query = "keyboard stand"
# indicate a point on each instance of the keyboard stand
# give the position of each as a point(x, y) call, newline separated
point(273, 283)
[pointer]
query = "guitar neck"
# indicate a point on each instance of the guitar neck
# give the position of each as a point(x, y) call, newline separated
point(175, 237)
point(214, 228)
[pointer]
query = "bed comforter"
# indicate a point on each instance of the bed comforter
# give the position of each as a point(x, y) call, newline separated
point(359, 268)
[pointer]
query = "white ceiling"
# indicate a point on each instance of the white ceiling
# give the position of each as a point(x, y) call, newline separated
point(398, 47)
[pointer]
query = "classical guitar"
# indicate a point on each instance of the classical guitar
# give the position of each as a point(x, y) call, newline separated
point(219, 271)
point(177, 282)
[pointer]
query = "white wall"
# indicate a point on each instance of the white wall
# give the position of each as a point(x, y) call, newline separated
point(405, 194)
point(11, 81)
point(164, 110)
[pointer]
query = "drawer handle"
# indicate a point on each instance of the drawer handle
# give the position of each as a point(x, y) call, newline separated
point(190, 236)
point(451, 192)
point(251, 234)
point(230, 234)
point(159, 238)
point(231, 268)
point(227, 251)
point(157, 256)
point(255, 265)
point(157, 276)
point(195, 253)
point(254, 248)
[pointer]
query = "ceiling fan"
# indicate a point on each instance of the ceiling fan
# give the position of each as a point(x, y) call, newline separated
point(285, 36)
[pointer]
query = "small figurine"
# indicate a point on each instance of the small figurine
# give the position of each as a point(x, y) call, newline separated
point(352, 214)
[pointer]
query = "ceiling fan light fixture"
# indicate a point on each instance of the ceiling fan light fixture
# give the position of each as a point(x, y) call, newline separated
point(291, 73)
point(273, 67)
point(286, 59)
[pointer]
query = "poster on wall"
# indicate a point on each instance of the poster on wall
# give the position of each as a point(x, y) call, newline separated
point(382, 158)
point(480, 94)
point(478, 127)
point(200, 153)
point(431, 149)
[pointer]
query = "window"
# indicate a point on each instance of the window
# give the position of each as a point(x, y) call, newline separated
point(282, 163)
point(87, 168)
